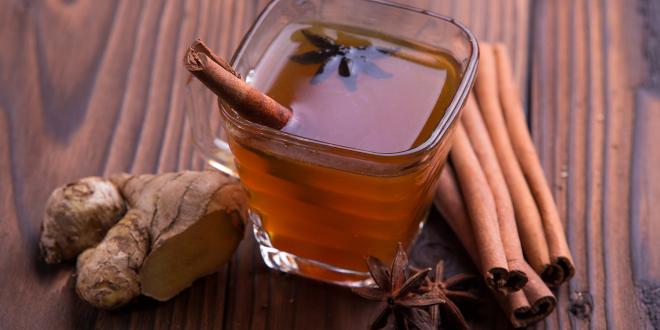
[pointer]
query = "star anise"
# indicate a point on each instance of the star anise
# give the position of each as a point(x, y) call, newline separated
point(449, 290)
point(347, 59)
point(401, 293)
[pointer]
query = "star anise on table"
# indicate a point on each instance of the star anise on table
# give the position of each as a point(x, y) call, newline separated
point(449, 290)
point(407, 294)
point(349, 60)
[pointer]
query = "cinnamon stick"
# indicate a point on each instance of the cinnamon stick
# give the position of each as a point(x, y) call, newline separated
point(560, 255)
point(478, 135)
point(528, 218)
point(449, 201)
point(221, 78)
point(529, 305)
point(481, 210)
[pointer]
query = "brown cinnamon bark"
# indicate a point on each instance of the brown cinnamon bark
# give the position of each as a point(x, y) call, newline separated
point(449, 201)
point(481, 210)
point(560, 255)
point(220, 78)
point(529, 305)
point(478, 135)
point(528, 218)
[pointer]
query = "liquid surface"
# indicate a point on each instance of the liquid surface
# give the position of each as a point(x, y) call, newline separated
point(391, 101)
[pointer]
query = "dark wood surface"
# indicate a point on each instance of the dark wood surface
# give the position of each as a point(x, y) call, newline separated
point(96, 87)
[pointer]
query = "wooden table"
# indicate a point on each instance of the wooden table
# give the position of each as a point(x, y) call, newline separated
point(96, 87)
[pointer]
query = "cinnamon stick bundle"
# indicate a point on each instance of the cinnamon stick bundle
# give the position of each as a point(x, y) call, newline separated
point(221, 78)
point(527, 214)
point(494, 161)
point(524, 307)
point(560, 255)
point(478, 135)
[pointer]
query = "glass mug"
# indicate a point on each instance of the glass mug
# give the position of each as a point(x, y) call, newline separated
point(319, 209)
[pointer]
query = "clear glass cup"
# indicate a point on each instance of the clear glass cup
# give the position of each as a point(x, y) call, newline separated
point(319, 209)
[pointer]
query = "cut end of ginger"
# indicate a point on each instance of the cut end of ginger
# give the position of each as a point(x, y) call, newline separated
point(196, 252)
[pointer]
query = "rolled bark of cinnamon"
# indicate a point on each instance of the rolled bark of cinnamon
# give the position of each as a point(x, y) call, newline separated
point(529, 305)
point(528, 218)
point(481, 210)
point(478, 135)
point(221, 78)
point(523, 146)
point(449, 201)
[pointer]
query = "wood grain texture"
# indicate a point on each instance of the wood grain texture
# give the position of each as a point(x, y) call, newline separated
point(93, 88)
point(587, 61)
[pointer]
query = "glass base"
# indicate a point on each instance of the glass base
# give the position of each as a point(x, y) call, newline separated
point(316, 270)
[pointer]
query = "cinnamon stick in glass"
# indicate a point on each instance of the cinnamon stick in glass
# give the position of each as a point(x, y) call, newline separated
point(528, 218)
point(481, 210)
point(220, 78)
point(478, 135)
point(560, 255)
point(524, 307)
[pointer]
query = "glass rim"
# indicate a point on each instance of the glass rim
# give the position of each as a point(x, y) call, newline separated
point(433, 140)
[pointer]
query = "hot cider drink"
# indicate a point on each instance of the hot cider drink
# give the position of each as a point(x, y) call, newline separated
point(354, 91)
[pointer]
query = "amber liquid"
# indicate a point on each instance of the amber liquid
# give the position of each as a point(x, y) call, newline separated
point(333, 216)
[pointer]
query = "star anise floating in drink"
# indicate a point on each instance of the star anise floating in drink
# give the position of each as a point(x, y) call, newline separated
point(349, 60)
point(414, 300)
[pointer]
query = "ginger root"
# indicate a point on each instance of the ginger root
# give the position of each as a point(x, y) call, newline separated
point(77, 217)
point(178, 228)
point(108, 274)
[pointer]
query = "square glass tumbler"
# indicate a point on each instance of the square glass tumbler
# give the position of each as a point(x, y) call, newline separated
point(319, 209)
